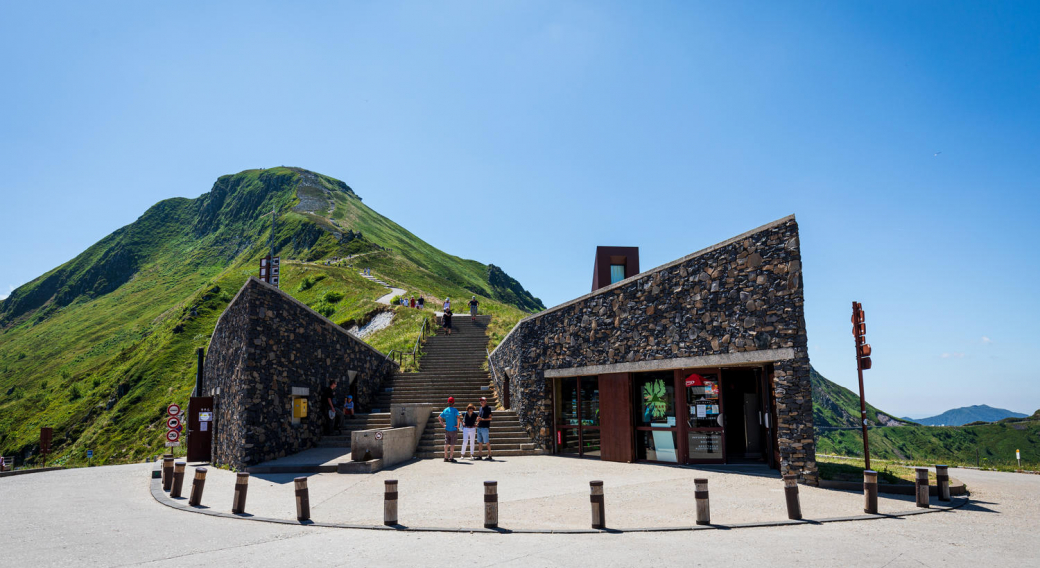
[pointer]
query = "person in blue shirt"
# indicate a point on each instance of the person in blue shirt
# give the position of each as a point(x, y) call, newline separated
point(449, 418)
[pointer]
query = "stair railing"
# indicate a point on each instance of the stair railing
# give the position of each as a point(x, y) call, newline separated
point(418, 339)
point(504, 398)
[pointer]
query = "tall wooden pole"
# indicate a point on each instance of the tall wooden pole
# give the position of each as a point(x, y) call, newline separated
point(857, 310)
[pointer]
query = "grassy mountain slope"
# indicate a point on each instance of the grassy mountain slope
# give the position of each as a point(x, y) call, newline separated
point(995, 443)
point(835, 406)
point(836, 412)
point(97, 347)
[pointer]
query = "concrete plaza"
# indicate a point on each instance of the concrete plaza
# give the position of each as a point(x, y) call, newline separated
point(107, 517)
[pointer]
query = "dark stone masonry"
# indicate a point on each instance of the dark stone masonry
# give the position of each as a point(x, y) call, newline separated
point(737, 303)
point(267, 348)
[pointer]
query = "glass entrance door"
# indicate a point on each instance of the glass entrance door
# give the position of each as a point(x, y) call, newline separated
point(705, 431)
point(577, 416)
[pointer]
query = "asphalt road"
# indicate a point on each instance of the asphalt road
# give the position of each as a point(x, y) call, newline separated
point(107, 517)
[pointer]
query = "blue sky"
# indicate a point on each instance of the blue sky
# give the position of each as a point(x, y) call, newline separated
point(525, 134)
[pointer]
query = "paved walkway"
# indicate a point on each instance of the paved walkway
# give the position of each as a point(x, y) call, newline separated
point(107, 517)
point(543, 492)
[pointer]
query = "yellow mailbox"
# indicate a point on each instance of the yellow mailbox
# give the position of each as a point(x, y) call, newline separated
point(299, 408)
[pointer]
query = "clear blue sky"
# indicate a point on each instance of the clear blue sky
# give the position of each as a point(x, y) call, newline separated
point(559, 126)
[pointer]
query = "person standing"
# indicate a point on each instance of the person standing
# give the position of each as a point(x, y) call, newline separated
point(447, 304)
point(328, 407)
point(422, 302)
point(449, 418)
point(412, 302)
point(447, 321)
point(473, 308)
point(469, 431)
point(484, 428)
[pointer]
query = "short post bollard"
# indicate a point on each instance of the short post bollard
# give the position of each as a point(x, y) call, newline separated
point(921, 484)
point(794, 508)
point(390, 502)
point(238, 506)
point(599, 515)
point(167, 473)
point(178, 479)
point(700, 493)
point(197, 485)
point(491, 504)
point(942, 481)
point(870, 491)
point(303, 500)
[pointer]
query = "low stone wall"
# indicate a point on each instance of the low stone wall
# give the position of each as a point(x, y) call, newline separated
point(739, 296)
point(265, 344)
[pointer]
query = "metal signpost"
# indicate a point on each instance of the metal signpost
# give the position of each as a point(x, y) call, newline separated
point(859, 332)
point(173, 426)
point(90, 454)
point(271, 264)
point(270, 269)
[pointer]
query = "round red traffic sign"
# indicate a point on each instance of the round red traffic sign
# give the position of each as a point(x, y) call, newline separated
point(173, 409)
point(173, 435)
point(173, 422)
point(379, 435)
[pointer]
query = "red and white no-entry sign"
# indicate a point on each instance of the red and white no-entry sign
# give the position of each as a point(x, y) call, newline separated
point(173, 422)
point(173, 435)
point(173, 409)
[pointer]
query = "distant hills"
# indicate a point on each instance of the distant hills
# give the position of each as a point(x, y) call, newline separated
point(967, 415)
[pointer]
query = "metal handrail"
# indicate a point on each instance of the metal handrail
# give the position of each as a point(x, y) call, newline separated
point(421, 336)
point(491, 365)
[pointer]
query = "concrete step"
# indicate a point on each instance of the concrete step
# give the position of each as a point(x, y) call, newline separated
point(495, 453)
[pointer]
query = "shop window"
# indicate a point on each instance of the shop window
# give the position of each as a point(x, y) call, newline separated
point(655, 399)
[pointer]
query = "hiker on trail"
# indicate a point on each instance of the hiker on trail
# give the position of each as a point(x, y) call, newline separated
point(469, 430)
point(328, 406)
point(447, 321)
point(473, 308)
point(484, 429)
point(412, 303)
point(449, 418)
point(422, 302)
point(348, 407)
point(447, 304)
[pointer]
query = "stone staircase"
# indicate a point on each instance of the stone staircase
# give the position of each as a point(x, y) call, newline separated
point(452, 365)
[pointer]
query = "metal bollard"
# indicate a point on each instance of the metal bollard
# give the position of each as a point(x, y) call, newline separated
point(178, 479)
point(921, 484)
point(197, 485)
point(167, 473)
point(238, 505)
point(303, 500)
point(599, 515)
point(491, 504)
point(390, 502)
point(700, 493)
point(794, 508)
point(870, 491)
point(942, 480)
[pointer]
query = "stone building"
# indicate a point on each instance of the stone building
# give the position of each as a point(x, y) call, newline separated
point(269, 351)
point(701, 360)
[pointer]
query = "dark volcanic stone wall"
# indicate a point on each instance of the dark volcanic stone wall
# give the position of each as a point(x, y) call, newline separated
point(739, 296)
point(264, 344)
